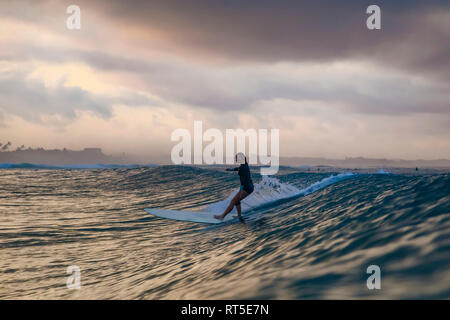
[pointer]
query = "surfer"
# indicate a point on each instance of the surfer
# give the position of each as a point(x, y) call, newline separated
point(246, 185)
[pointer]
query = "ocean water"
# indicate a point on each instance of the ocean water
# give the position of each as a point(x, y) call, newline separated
point(304, 235)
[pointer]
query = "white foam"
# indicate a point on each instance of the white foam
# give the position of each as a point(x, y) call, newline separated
point(271, 189)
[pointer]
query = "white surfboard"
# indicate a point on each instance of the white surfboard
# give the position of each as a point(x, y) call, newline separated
point(192, 216)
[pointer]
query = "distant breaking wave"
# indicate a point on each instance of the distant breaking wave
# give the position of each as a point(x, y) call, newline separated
point(72, 166)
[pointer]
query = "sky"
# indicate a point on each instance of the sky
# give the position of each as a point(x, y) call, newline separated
point(136, 71)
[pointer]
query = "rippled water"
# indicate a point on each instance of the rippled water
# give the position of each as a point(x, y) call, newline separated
point(313, 245)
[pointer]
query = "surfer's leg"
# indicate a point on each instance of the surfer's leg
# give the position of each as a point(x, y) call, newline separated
point(230, 207)
point(242, 195)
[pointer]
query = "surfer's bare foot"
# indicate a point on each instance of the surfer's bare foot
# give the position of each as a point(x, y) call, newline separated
point(218, 217)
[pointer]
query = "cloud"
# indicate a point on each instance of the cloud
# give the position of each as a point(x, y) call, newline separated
point(357, 86)
point(315, 66)
point(31, 99)
point(413, 35)
point(350, 85)
point(271, 31)
point(400, 69)
point(262, 41)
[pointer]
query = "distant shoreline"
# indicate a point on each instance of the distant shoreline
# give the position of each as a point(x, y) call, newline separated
point(95, 157)
point(282, 169)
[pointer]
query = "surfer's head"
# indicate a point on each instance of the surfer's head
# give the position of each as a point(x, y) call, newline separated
point(240, 158)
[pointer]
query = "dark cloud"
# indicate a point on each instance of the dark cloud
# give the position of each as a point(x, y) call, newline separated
point(296, 30)
point(413, 39)
point(232, 88)
point(415, 35)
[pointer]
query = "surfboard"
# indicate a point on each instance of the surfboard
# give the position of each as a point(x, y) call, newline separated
point(191, 216)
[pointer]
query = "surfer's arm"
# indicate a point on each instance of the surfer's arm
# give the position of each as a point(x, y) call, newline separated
point(232, 169)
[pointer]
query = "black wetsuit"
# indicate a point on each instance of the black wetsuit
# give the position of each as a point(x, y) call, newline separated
point(245, 177)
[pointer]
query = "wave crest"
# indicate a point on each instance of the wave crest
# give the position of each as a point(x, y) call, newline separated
point(270, 190)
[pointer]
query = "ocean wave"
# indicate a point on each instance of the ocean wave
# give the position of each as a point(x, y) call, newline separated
point(382, 171)
point(26, 165)
point(315, 244)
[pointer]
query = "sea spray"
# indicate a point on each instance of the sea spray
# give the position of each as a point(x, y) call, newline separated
point(270, 190)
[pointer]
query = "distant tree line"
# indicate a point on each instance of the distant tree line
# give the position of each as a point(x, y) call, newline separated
point(6, 146)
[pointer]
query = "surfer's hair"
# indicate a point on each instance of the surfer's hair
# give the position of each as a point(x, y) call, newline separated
point(240, 158)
